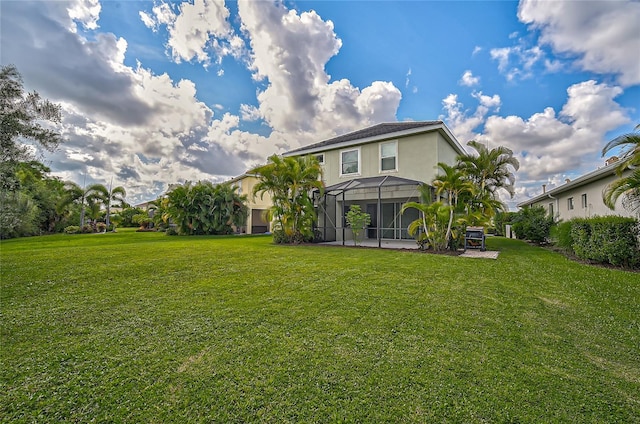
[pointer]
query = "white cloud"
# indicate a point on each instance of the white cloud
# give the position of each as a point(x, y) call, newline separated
point(195, 30)
point(463, 124)
point(290, 50)
point(148, 130)
point(468, 79)
point(249, 113)
point(548, 144)
point(604, 35)
point(87, 12)
point(148, 21)
point(517, 61)
point(488, 101)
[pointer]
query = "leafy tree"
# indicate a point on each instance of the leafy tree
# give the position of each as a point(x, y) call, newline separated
point(18, 214)
point(35, 207)
point(205, 208)
point(533, 224)
point(44, 192)
point(115, 220)
point(127, 215)
point(21, 120)
point(290, 181)
point(358, 221)
point(627, 186)
point(142, 219)
point(26, 193)
point(501, 220)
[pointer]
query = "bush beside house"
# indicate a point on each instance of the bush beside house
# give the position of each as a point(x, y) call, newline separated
point(612, 240)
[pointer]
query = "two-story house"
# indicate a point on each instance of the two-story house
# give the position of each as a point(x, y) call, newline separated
point(379, 168)
point(581, 197)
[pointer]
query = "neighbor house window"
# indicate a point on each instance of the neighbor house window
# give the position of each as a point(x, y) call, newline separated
point(570, 203)
point(551, 209)
point(584, 201)
point(388, 156)
point(320, 158)
point(350, 162)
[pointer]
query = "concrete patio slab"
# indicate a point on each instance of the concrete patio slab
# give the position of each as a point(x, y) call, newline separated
point(487, 254)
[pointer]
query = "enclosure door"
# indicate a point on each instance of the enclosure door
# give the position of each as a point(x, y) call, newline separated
point(395, 223)
point(259, 224)
point(372, 229)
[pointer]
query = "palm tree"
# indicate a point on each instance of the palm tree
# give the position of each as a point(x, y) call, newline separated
point(490, 170)
point(114, 194)
point(627, 186)
point(75, 193)
point(432, 221)
point(94, 209)
point(453, 182)
point(290, 181)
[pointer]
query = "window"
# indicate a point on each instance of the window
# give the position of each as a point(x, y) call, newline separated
point(320, 158)
point(584, 201)
point(388, 155)
point(551, 209)
point(570, 203)
point(350, 162)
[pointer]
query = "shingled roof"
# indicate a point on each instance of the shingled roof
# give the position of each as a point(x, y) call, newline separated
point(370, 132)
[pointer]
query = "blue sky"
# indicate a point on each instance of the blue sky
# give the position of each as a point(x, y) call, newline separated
point(156, 93)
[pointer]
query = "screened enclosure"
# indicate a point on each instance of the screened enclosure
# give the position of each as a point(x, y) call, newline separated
point(381, 197)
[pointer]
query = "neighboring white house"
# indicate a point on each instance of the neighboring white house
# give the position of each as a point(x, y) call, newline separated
point(258, 204)
point(580, 198)
point(379, 168)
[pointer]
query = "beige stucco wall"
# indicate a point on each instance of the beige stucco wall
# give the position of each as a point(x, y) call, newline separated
point(245, 185)
point(595, 205)
point(418, 156)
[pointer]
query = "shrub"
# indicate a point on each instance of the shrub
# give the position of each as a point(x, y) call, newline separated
point(611, 239)
point(87, 229)
point(171, 231)
point(561, 235)
point(101, 227)
point(280, 237)
point(500, 220)
point(532, 224)
point(72, 229)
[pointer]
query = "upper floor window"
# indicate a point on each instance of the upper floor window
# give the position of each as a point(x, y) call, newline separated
point(388, 156)
point(570, 203)
point(551, 210)
point(584, 201)
point(350, 162)
point(320, 157)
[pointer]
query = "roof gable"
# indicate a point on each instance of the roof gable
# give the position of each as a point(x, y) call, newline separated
point(582, 180)
point(376, 133)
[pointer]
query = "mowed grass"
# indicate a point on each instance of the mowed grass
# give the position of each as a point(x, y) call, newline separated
point(141, 327)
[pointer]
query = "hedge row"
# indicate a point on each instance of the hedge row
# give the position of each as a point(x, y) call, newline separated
point(611, 239)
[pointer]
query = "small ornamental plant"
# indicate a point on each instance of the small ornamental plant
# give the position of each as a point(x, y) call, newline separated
point(358, 221)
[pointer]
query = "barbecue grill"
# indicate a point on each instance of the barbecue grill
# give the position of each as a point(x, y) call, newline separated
point(474, 238)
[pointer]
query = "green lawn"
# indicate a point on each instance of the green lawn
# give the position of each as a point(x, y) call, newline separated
point(141, 327)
